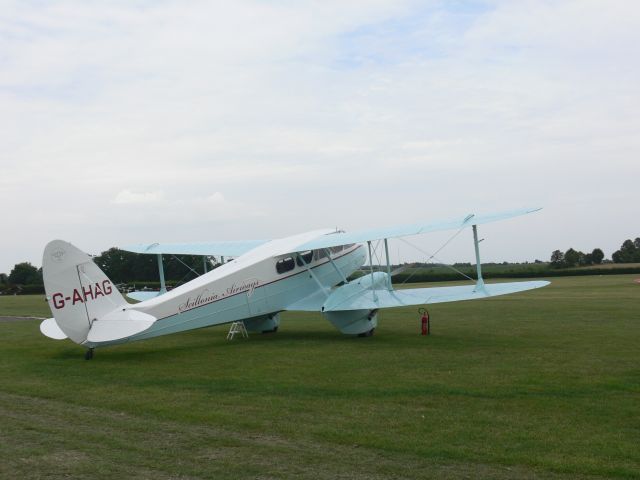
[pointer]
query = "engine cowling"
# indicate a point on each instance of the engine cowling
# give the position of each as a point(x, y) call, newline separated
point(264, 323)
point(354, 322)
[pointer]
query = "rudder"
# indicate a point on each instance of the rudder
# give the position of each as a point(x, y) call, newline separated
point(78, 292)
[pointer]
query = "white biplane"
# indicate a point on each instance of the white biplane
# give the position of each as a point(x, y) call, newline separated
point(306, 272)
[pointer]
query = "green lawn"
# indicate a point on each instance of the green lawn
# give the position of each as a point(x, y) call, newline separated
point(24, 306)
point(543, 384)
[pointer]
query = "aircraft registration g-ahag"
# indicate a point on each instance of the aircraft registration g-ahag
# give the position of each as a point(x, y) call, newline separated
point(307, 272)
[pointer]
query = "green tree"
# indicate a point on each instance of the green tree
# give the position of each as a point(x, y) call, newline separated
point(628, 253)
point(25, 274)
point(585, 259)
point(121, 266)
point(571, 257)
point(597, 256)
point(557, 259)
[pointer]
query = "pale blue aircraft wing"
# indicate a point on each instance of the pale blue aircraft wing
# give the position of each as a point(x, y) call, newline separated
point(342, 238)
point(359, 299)
point(311, 303)
point(141, 296)
point(224, 248)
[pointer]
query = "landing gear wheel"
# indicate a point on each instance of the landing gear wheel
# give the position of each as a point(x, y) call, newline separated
point(275, 329)
point(368, 333)
point(88, 355)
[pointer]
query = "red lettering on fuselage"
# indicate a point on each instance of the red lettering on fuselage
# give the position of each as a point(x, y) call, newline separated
point(86, 293)
point(76, 297)
point(58, 301)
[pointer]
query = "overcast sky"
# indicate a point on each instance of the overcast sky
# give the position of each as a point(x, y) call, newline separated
point(143, 121)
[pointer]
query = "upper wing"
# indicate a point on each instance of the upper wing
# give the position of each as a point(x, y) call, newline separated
point(226, 248)
point(341, 238)
point(350, 297)
point(237, 248)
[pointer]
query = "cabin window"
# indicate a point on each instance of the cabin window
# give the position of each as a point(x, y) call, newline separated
point(337, 249)
point(285, 265)
point(306, 256)
point(320, 254)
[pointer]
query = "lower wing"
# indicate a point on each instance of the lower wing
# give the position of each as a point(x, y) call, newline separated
point(360, 299)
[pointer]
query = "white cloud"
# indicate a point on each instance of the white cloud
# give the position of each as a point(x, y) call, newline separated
point(215, 198)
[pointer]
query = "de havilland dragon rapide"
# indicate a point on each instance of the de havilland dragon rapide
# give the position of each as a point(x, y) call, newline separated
point(306, 272)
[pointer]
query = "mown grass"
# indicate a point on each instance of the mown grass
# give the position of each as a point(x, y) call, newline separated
point(543, 384)
point(24, 306)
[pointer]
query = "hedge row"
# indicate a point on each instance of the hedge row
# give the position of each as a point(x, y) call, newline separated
point(407, 276)
point(36, 289)
point(21, 289)
point(446, 276)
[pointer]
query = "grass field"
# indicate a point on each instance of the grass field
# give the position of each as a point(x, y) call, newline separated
point(543, 384)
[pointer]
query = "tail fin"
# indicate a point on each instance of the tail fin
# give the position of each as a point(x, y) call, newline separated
point(78, 292)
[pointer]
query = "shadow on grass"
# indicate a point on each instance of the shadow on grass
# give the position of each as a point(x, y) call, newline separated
point(203, 342)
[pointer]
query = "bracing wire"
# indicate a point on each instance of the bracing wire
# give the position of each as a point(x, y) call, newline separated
point(197, 274)
point(185, 276)
point(375, 253)
point(433, 255)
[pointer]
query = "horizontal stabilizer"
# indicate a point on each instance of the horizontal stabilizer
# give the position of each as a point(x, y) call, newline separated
point(141, 296)
point(50, 328)
point(118, 325)
point(351, 299)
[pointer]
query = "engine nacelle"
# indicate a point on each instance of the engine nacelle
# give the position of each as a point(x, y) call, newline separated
point(354, 322)
point(264, 323)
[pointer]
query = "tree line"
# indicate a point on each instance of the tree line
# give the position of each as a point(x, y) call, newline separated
point(629, 252)
point(575, 258)
point(120, 266)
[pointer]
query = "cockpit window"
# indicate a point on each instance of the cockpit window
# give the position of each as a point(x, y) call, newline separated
point(285, 265)
point(306, 256)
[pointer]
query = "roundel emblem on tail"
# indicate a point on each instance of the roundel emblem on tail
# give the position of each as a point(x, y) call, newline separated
point(58, 255)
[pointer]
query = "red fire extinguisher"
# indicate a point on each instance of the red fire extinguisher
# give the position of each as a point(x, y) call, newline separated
point(425, 321)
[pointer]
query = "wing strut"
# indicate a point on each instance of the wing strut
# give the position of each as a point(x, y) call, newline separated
point(375, 297)
point(163, 287)
point(386, 252)
point(476, 242)
point(328, 253)
point(313, 275)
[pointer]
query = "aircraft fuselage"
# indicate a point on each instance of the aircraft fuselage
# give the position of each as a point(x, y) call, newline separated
point(257, 290)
